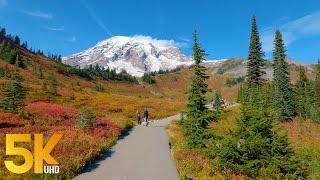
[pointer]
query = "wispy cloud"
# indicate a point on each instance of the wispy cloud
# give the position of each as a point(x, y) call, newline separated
point(61, 28)
point(184, 39)
point(96, 18)
point(3, 2)
point(180, 44)
point(39, 14)
point(293, 30)
point(72, 39)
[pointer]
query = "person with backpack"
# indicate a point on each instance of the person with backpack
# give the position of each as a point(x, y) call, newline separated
point(138, 116)
point(146, 116)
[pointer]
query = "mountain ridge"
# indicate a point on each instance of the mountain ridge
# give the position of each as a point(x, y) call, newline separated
point(136, 55)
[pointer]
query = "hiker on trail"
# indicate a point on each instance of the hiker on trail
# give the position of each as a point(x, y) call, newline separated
point(138, 116)
point(146, 116)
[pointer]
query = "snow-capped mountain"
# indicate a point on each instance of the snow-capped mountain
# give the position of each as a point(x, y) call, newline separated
point(136, 55)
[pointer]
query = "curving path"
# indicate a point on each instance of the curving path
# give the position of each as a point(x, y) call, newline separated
point(143, 154)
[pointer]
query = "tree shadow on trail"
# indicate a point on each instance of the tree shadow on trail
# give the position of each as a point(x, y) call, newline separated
point(97, 162)
point(91, 166)
point(125, 133)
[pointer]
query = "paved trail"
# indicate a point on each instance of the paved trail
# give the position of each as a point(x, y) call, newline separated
point(144, 154)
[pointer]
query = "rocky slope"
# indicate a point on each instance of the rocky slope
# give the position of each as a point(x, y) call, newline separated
point(238, 67)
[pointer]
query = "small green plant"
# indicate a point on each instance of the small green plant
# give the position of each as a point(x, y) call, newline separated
point(85, 118)
point(315, 114)
point(230, 82)
point(14, 95)
point(99, 88)
point(217, 102)
point(44, 86)
point(149, 79)
point(53, 84)
point(37, 70)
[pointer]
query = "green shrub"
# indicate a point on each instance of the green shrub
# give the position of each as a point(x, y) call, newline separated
point(99, 88)
point(255, 150)
point(14, 94)
point(230, 82)
point(85, 118)
point(315, 114)
point(147, 78)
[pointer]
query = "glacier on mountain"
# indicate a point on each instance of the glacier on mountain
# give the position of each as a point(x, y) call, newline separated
point(136, 55)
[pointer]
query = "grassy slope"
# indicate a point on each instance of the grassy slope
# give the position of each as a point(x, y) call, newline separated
point(115, 109)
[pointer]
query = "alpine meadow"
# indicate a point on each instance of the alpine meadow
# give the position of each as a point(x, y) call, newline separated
point(211, 90)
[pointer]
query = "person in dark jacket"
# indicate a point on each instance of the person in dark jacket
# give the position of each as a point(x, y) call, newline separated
point(146, 115)
point(138, 116)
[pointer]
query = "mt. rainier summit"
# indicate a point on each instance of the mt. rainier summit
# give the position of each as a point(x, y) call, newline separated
point(136, 55)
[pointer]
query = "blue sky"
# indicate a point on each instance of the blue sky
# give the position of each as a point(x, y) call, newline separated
point(66, 27)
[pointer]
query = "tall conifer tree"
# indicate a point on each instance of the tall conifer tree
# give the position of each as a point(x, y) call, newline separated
point(317, 85)
point(255, 59)
point(198, 115)
point(303, 94)
point(284, 94)
point(254, 146)
point(217, 102)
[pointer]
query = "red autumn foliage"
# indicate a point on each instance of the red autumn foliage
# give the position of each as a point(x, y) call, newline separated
point(105, 128)
point(52, 111)
point(10, 120)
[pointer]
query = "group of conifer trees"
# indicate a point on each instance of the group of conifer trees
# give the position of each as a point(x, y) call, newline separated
point(283, 99)
point(10, 54)
point(254, 148)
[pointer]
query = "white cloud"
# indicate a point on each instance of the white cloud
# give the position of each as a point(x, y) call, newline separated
point(72, 39)
point(143, 40)
point(3, 2)
point(61, 28)
point(39, 14)
point(184, 39)
point(157, 42)
point(293, 30)
point(96, 18)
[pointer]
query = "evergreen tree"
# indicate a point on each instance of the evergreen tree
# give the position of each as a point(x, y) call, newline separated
point(255, 59)
point(14, 95)
point(317, 85)
point(241, 93)
point(53, 84)
point(13, 57)
point(254, 147)
point(217, 102)
point(303, 94)
point(19, 62)
point(197, 115)
point(3, 32)
point(284, 94)
point(17, 40)
point(148, 78)
point(25, 45)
